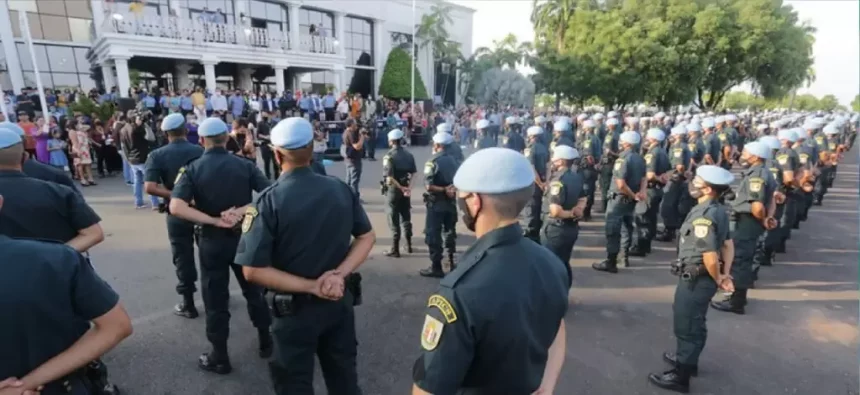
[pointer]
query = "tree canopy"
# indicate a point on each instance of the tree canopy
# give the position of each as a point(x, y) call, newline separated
point(669, 52)
point(397, 78)
point(804, 102)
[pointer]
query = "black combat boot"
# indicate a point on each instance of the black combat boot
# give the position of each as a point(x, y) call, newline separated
point(641, 249)
point(451, 264)
point(672, 359)
point(394, 251)
point(435, 270)
point(667, 235)
point(186, 308)
point(780, 247)
point(625, 259)
point(609, 265)
point(767, 258)
point(409, 245)
point(732, 304)
point(677, 379)
point(216, 361)
point(266, 346)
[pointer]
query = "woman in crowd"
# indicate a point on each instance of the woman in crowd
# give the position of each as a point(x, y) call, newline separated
point(41, 134)
point(81, 147)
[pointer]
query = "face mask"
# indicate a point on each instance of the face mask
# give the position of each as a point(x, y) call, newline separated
point(745, 163)
point(468, 219)
point(695, 192)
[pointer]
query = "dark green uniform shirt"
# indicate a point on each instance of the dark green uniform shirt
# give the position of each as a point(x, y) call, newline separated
point(679, 155)
point(610, 143)
point(788, 159)
point(398, 164)
point(589, 146)
point(455, 152)
point(36, 209)
point(439, 171)
point(757, 185)
point(565, 189)
point(705, 230)
point(805, 156)
point(560, 140)
point(712, 146)
point(303, 224)
point(657, 161)
point(538, 156)
point(41, 171)
point(697, 149)
point(514, 140)
point(163, 164)
point(629, 167)
point(489, 327)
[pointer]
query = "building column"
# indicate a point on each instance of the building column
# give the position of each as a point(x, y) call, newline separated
point(244, 80)
point(123, 80)
point(294, 25)
point(378, 61)
point(182, 79)
point(279, 80)
point(107, 76)
point(339, 86)
point(209, 71)
point(340, 32)
point(297, 81)
point(98, 15)
point(13, 64)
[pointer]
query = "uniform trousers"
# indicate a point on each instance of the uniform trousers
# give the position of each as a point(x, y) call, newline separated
point(181, 235)
point(692, 298)
point(440, 225)
point(217, 248)
point(619, 224)
point(399, 212)
point(559, 237)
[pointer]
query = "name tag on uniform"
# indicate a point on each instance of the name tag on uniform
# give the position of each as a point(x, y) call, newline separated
point(722, 137)
point(832, 146)
point(504, 140)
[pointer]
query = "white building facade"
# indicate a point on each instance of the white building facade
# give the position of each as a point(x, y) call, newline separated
point(270, 45)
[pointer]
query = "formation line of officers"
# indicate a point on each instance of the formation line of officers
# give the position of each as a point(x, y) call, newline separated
point(301, 298)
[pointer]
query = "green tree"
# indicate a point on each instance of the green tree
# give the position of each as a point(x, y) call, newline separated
point(551, 19)
point(855, 104)
point(828, 103)
point(397, 78)
point(432, 32)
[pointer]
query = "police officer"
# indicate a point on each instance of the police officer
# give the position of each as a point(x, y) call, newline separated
point(676, 188)
point(398, 167)
point(724, 141)
point(712, 152)
point(807, 153)
point(297, 241)
point(484, 139)
point(589, 147)
point(789, 161)
point(37, 209)
point(162, 169)
point(607, 159)
point(494, 185)
point(441, 208)
point(751, 214)
point(513, 138)
point(538, 155)
point(452, 148)
point(772, 237)
point(559, 136)
point(825, 158)
point(52, 298)
point(703, 239)
point(220, 184)
point(657, 173)
point(628, 187)
point(38, 170)
point(566, 201)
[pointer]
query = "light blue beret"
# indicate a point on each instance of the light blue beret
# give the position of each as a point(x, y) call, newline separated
point(395, 134)
point(679, 131)
point(720, 119)
point(830, 129)
point(800, 133)
point(493, 171)
point(172, 121)
point(787, 134)
point(482, 124)
point(9, 138)
point(715, 175)
point(211, 127)
point(632, 120)
point(655, 134)
point(588, 123)
point(758, 149)
point(598, 116)
point(443, 138)
point(511, 120)
point(564, 152)
point(612, 114)
point(694, 127)
point(534, 131)
point(292, 133)
point(561, 126)
point(731, 117)
point(761, 126)
point(612, 121)
point(630, 137)
point(443, 127)
point(13, 127)
point(770, 141)
point(708, 123)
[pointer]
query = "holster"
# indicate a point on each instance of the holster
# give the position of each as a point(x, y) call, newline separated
point(383, 187)
point(94, 377)
point(289, 304)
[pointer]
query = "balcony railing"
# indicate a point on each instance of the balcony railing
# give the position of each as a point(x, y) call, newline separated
point(199, 33)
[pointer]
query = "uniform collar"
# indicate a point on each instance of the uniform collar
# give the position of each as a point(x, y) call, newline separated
point(180, 141)
point(297, 172)
point(216, 150)
point(752, 169)
point(502, 236)
point(12, 173)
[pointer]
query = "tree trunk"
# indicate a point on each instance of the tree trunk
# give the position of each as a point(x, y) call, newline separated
point(557, 101)
point(791, 102)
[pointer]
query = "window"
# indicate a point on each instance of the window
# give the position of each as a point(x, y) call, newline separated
point(56, 20)
point(308, 17)
point(273, 17)
point(55, 28)
point(317, 82)
point(59, 66)
point(222, 7)
point(358, 43)
point(23, 5)
point(80, 29)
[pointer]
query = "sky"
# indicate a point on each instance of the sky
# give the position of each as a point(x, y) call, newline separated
point(836, 51)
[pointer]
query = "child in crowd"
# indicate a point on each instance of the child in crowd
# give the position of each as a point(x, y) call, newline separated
point(56, 146)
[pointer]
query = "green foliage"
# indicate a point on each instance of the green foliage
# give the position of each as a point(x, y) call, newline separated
point(134, 77)
point(669, 52)
point(804, 102)
point(855, 104)
point(397, 77)
point(86, 106)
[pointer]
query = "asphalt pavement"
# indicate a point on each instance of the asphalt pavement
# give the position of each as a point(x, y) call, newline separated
point(799, 335)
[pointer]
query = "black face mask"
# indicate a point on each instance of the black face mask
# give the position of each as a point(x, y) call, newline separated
point(695, 193)
point(468, 219)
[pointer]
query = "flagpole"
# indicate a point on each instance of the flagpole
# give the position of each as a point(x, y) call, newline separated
point(25, 29)
point(3, 105)
point(414, 40)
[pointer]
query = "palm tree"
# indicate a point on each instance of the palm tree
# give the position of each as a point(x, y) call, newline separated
point(433, 32)
point(551, 18)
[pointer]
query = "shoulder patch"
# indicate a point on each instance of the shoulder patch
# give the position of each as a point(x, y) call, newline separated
point(250, 214)
point(677, 152)
point(648, 158)
point(179, 175)
point(782, 159)
point(618, 164)
point(700, 230)
point(555, 188)
point(804, 158)
point(386, 160)
point(439, 302)
point(756, 184)
point(431, 333)
point(527, 152)
point(429, 167)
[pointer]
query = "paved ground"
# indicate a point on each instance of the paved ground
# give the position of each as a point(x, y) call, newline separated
point(800, 335)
